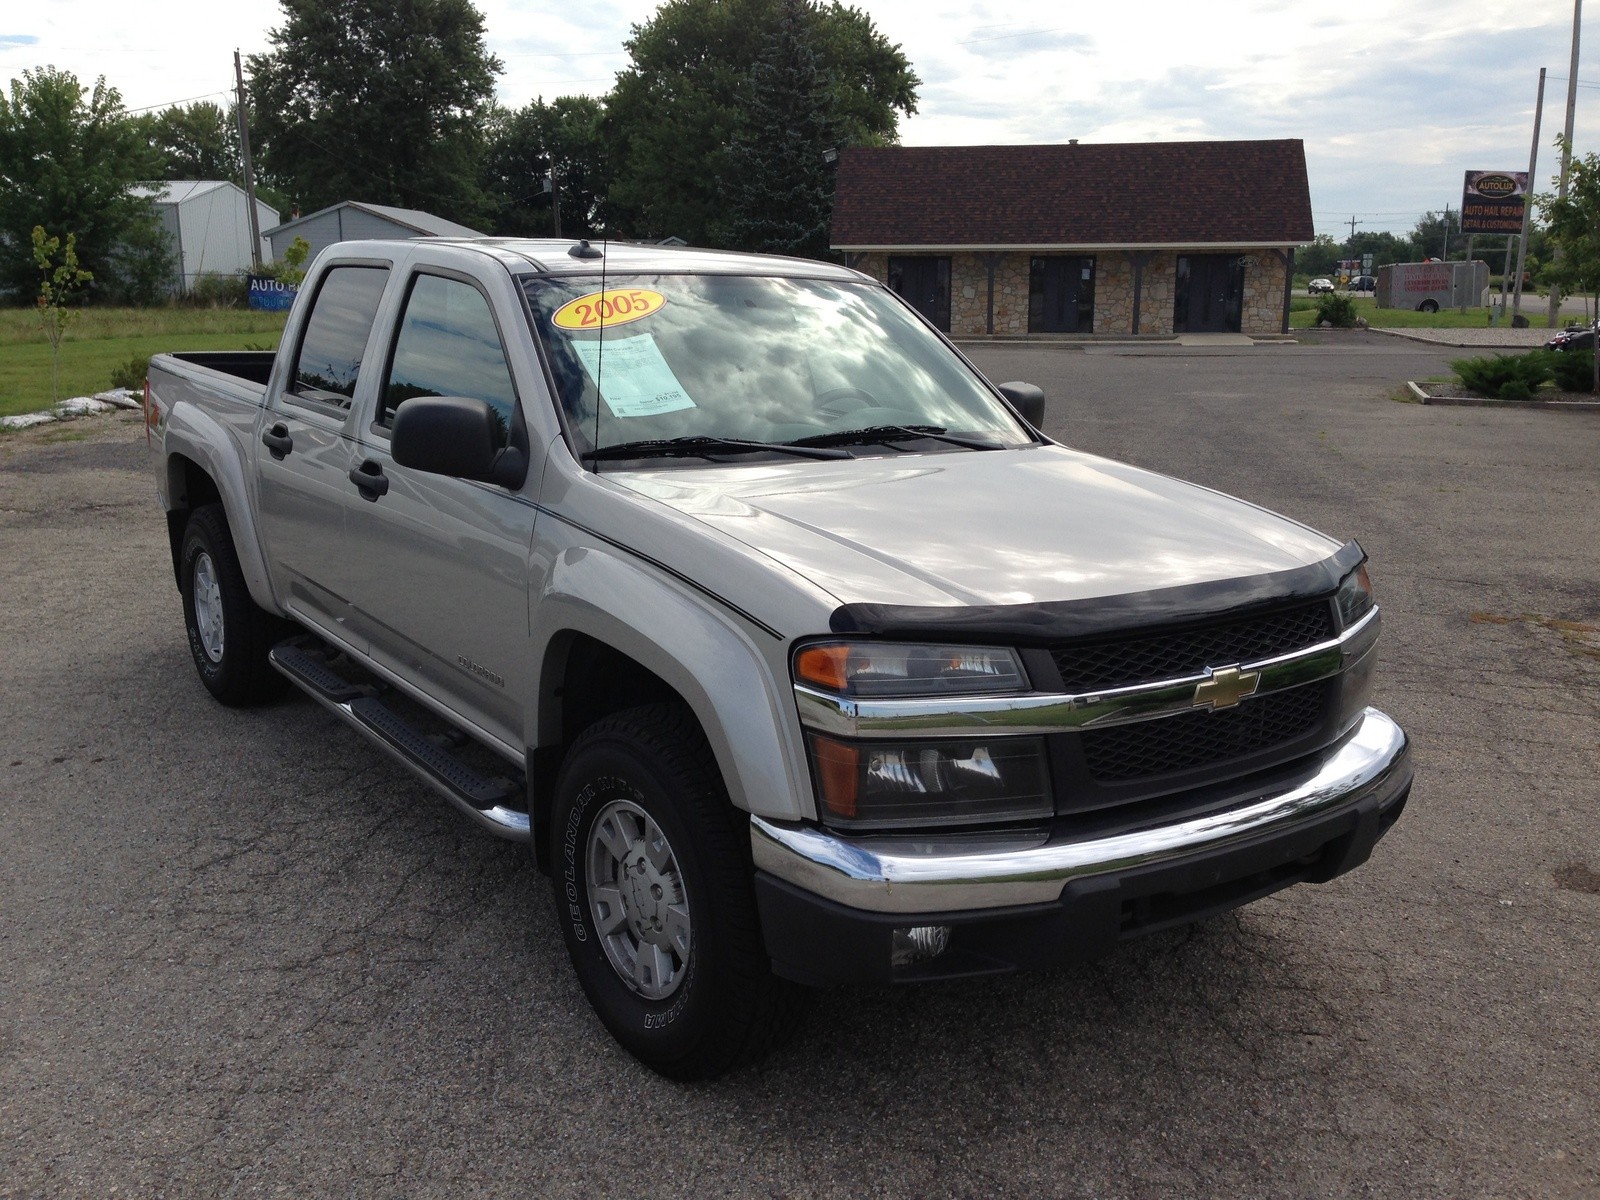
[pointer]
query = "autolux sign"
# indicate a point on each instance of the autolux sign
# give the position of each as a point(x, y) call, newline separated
point(1493, 201)
point(267, 293)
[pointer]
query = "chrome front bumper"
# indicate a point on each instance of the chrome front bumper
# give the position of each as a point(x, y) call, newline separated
point(898, 875)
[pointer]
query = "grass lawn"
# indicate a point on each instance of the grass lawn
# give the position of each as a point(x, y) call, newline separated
point(1303, 315)
point(103, 339)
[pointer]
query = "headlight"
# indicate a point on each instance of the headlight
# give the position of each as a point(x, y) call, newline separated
point(873, 784)
point(882, 669)
point(882, 785)
point(1355, 596)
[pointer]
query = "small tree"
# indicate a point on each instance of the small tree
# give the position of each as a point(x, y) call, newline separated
point(59, 281)
point(1574, 226)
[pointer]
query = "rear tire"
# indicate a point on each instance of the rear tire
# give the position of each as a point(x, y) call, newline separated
point(229, 635)
point(653, 890)
point(1428, 306)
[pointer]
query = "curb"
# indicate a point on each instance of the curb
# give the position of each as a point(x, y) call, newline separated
point(1490, 402)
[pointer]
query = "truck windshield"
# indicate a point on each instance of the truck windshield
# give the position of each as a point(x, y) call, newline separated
point(689, 359)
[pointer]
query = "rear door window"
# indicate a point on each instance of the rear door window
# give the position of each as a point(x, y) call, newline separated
point(449, 345)
point(329, 362)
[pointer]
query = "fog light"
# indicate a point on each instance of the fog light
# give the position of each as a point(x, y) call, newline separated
point(918, 944)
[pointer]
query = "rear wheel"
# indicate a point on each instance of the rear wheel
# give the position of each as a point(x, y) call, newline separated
point(229, 635)
point(653, 887)
point(1428, 306)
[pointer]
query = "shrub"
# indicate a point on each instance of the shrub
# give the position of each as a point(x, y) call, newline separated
point(131, 374)
point(1573, 371)
point(215, 290)
point(1338, 311)
point(1506, 376)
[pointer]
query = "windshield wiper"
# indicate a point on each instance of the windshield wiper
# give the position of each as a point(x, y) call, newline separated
point(893, 433)
point(703, 445)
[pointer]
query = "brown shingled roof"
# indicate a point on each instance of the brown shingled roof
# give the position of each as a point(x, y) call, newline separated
point(1186, 193)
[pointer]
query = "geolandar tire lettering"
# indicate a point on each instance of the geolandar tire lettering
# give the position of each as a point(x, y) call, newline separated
point(653, 886)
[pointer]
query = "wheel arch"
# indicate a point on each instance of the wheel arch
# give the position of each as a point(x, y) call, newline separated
point(203, 466)
point(613, 635)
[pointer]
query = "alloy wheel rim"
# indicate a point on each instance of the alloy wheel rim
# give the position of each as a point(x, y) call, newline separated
point(638, 901)
point(208, 607)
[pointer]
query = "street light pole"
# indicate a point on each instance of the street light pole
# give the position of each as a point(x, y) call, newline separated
point(1566, 145)
point(1527, 208)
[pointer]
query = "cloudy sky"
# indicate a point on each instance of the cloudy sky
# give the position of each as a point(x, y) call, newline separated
point(1394, 99)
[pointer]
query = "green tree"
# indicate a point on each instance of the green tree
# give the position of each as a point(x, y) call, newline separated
point(60, 281)
point(684, 102)
point(200, 141)
point(1573, 224)
point(521, 148)
point(780, 195)
point(370, 100)
point(71, 158)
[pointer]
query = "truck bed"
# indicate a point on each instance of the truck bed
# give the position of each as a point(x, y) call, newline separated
point(252, 365)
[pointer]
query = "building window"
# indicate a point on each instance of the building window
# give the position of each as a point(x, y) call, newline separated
point(1061, 294)
point(923, 281)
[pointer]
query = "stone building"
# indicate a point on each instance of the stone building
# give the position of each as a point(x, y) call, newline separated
point(1155, 238)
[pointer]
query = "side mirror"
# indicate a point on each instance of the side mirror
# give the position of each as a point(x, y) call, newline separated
point(456, 436)
point(1027, 399)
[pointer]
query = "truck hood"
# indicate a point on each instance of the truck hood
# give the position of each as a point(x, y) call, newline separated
point(1038, 524)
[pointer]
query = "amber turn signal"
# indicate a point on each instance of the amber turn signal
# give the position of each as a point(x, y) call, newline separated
point(823, 666)
point(839, 773)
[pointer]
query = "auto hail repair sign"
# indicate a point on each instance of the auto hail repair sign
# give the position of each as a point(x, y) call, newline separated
point(1493, 201)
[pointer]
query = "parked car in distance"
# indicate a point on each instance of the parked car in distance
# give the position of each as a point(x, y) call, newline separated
point(1574, 337)
point(1363, 283)
point(1317, 286)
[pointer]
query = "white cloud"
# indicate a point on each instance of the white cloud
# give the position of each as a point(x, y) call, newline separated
point(1394, 98)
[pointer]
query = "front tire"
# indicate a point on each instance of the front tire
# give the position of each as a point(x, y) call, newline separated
point(1428, 306)
point(653, 890)
point(229, 636)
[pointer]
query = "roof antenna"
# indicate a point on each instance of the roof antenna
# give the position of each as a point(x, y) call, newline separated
point(584, 250)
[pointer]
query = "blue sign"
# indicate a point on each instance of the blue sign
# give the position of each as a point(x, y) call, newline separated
point(271, 295)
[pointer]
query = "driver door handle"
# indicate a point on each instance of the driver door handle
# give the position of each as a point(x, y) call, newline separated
point(370, 479)
point(278, 441)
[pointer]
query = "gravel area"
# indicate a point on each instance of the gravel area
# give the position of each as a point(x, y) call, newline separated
point(1511, 339)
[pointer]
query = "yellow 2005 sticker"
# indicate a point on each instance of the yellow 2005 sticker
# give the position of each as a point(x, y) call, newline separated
point(608, 308)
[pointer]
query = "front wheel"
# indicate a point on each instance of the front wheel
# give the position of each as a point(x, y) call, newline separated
point(1428, 306)
point(653, 888)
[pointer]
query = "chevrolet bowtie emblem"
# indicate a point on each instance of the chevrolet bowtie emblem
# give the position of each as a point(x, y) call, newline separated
point(1226, 687)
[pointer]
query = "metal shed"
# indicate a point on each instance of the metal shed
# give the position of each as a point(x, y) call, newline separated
point(208, 222)
point(353, 220)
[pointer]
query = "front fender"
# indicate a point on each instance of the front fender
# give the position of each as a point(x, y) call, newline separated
point(192, 433)
point(720, 664)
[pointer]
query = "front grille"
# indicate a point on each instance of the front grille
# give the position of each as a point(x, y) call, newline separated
point(1144, 658)
point(1202, 738)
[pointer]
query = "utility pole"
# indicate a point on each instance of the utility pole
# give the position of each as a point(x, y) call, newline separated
point(553, 186)
point(1353, 224)
point(249, 170)
point(1444, 255)
point(1527, 210)
point(1566, 145)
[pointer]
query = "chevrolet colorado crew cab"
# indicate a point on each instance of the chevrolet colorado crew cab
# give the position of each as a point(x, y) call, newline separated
point(794, 650)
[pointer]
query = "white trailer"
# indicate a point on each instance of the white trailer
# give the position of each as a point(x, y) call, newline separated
point(1430, 286)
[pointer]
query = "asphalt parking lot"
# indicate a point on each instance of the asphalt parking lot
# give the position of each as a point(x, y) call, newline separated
point(241, 954)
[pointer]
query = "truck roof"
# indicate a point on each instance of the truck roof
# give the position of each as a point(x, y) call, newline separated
point(554, 256)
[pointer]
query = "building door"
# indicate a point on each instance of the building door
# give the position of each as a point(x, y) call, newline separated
point(1210, 293)
point(923, 282)
point(1060, 294)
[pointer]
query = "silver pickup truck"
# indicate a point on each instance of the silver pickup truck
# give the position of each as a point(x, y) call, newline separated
point(792, 648)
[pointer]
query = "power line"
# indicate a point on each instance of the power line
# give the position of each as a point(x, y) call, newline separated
point(170, 103)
